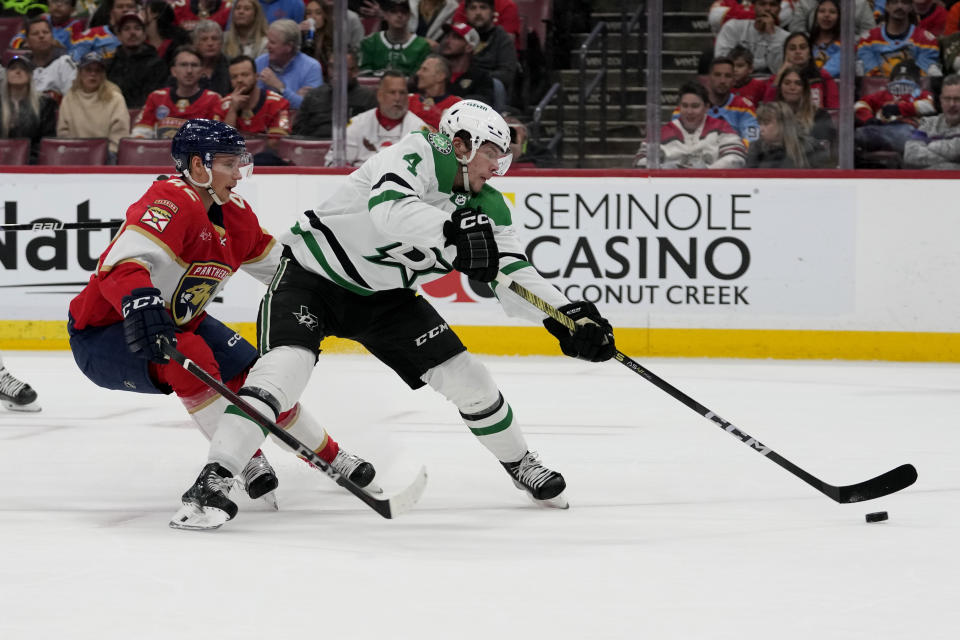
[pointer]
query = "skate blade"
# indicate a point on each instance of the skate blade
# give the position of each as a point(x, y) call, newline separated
point(557, 502)
point(373, 488)
point(271, 500)
point(191, 517)
point(33, 407)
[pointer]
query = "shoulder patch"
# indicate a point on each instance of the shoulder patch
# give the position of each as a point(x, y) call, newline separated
point(441, 143)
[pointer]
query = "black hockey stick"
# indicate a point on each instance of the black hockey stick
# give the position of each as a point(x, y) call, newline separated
point(56, 225)
point(884, 484)
point(386, 507)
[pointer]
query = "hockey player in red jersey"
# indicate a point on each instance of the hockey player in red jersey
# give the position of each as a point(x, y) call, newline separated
point(179, 244)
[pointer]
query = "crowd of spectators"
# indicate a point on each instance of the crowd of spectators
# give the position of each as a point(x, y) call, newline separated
point(132, 69)
point(772, 78)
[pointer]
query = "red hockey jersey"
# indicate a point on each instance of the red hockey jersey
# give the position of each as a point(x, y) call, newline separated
point(270, 115)
point(162, 116)
point(170, 242)
point(909, 107)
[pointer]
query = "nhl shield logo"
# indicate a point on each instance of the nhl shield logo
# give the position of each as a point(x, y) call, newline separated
point(198, 286)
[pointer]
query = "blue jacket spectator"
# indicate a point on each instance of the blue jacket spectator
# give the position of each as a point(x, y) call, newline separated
point(284, 68)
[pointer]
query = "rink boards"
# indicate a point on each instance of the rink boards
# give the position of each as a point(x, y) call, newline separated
point(732, 264)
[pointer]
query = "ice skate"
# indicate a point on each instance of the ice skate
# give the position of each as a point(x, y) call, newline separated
point(545, 487)
point(205, 504)
point(16, 395)
point(259, 480)
point(357, 470)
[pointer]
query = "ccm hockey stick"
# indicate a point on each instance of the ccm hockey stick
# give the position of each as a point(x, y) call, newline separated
point(884, 484)
point(386, 507)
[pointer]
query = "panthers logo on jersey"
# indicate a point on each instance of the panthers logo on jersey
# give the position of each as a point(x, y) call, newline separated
point(198, 286)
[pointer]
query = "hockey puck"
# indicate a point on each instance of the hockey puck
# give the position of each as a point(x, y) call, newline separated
point(877, 516)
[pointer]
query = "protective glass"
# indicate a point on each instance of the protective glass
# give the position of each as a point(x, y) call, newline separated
point(229, 163)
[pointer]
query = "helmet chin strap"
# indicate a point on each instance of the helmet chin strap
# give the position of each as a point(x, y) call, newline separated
point(466, 178)
point(204, 185)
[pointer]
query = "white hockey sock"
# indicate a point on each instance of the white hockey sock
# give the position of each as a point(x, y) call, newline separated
point(237, 437)
point(498, 431)
point(305, 428)
point(205, 410)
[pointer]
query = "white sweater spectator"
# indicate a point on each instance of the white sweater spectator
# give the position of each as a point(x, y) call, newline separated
point(767, 48)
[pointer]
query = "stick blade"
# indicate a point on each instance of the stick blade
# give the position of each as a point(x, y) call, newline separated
point(883, 485)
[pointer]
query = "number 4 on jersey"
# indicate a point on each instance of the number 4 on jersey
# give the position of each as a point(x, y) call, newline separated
point(413, 159)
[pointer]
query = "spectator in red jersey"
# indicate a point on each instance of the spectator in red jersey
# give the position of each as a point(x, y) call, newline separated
point(886, 119)
point(189, 12)
point(246, 32)
point(54, 69)
point(744, 84)
point(249, 108)
point(952, 22)
point(694, 140)
point(162, 32)
point(432, 97)
point(136, 68)
point(505, 15)
point(24, 113)
point(94, 107)
point(315, 115)
point(207, 38)
point(169, 108)
point(797, 54)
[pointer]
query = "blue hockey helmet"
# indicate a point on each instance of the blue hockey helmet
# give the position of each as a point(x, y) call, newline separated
point(206, 138)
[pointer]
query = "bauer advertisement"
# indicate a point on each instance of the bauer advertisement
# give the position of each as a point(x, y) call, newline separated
point(682, 253)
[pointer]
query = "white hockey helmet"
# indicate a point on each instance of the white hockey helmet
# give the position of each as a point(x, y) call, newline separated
point(483, 124)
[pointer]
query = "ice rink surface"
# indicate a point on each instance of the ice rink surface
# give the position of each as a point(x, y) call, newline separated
point(676, 529)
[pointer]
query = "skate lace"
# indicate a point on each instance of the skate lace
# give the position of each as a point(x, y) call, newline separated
point(346, 463)
point(9, 385)
point(214, 483)
point(257, 466)
point(530, 472)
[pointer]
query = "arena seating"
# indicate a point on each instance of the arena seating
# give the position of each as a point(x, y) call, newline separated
point(72, 151)
point(14, 151)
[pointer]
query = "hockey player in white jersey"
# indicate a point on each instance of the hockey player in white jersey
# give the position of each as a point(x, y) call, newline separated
point(350, 268)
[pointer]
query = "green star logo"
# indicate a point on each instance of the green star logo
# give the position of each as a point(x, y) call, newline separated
point(441, 143)
point(412, 262)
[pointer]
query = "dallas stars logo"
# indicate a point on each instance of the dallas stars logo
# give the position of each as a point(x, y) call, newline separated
point(412, 262)
point(441, 143)
point(306, 318)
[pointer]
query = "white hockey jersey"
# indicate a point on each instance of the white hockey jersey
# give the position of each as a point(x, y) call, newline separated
point(57, 76)
point(383, 229)
point(366, 136)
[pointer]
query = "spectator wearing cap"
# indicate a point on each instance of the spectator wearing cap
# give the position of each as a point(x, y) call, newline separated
point(283, 10)
point(427, 17)
point(54, 70)
point(495, 53)
point(94, 106)
point(505, 14)
point(395, 47)
point(187, 13)
point(250, 109)
point(433, 94)
point(284, 68)
point(315, 116)
point(101, 36)
point(24, 113)
point(207, 40)
point(886, 119)
point(370, 131)
point(65, 27)
point(168, 108)
point(898, 40)
point(135, 67)
point(936, 142)
point(466, 80)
